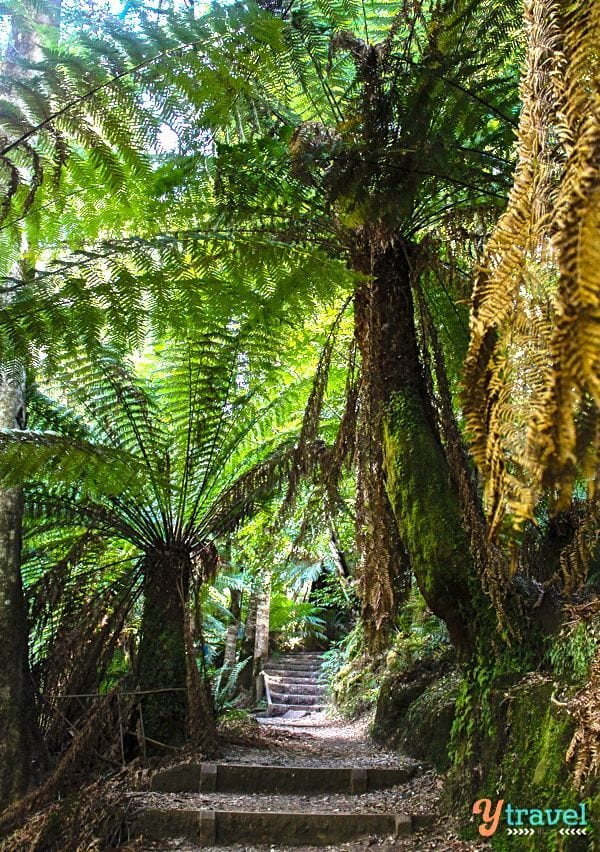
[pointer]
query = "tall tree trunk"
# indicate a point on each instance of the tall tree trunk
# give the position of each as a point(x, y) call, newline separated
point(418, 481)
point(162, 672)
point(261, 638)
point(231, 637)
point(247, 652)
point(23, 754)
point(21, 749)
point(263, 612)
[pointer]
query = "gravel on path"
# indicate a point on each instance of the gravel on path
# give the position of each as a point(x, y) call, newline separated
point(324, 740)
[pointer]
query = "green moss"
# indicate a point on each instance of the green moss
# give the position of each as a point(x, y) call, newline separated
point(518, 755)
point(428, 722)
point(413, 457)
point(425, 504)
point(355, 687)
point(162, 666)
point(573, 650)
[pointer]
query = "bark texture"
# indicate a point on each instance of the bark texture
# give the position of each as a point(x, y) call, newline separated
point(231, 637)
point(21, 751)
point(162, 670)
point(415, 470)
point(383, 570)
point(247, 652)
point(263, 612)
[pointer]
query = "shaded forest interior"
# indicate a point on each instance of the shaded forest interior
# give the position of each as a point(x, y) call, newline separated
point(299, 349)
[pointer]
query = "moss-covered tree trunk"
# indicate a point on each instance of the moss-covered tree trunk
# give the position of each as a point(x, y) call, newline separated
point(161, 659)
point(21, 749)
point(418, 481)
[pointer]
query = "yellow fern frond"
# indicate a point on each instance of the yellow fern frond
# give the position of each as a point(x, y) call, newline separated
point(533, 366)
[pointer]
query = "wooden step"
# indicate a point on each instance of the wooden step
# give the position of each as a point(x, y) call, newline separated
point(223, 827)
point(241, 777)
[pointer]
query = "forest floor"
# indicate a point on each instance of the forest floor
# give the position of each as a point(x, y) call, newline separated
point(320, 740)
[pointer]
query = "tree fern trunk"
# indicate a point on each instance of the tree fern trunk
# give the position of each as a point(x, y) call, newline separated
point(162, 673)
point(21, 750)
point(421, 492)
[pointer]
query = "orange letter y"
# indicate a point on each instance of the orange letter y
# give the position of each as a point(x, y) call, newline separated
point(490, 821)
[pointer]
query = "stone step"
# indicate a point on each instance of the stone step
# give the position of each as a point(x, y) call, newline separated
point(243, 777)
point(294, 699)
point(302, 679)
point(296, 681)
point(285, 672)
point(293, 657)
point(277, 709)
point(305, 687)
point(224, 828)
point(319, 654)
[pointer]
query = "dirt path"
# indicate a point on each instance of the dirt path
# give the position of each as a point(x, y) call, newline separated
point(321, 740)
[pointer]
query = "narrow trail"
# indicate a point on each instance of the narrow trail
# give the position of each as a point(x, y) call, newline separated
point(304, 780)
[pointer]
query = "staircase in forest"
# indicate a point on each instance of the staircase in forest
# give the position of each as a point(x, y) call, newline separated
point(231, 804)
point(290, 804)
point(292, 685)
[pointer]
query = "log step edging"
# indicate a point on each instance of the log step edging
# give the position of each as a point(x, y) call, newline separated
point(305, 688)
point(294, 677)
point(281, 709)
point(221, 827)
point(294, 698)
point(239, 778)
point(299, 677)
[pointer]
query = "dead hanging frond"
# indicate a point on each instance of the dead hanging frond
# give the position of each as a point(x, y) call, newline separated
point(201, 721)
point(344, 446)
point(311, 147)
point(492, 565)
point(339, 456)
point(383, 570)
point(206, 561)
point(518, 248)
point(310, 448)
point(533, 366)
point(97, 816)
point(79, 656)
point(575, 345)
point(575, 558)
point(93, 743)
point(584, 750)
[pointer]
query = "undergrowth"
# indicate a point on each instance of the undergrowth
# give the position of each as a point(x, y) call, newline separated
point(355, 674)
